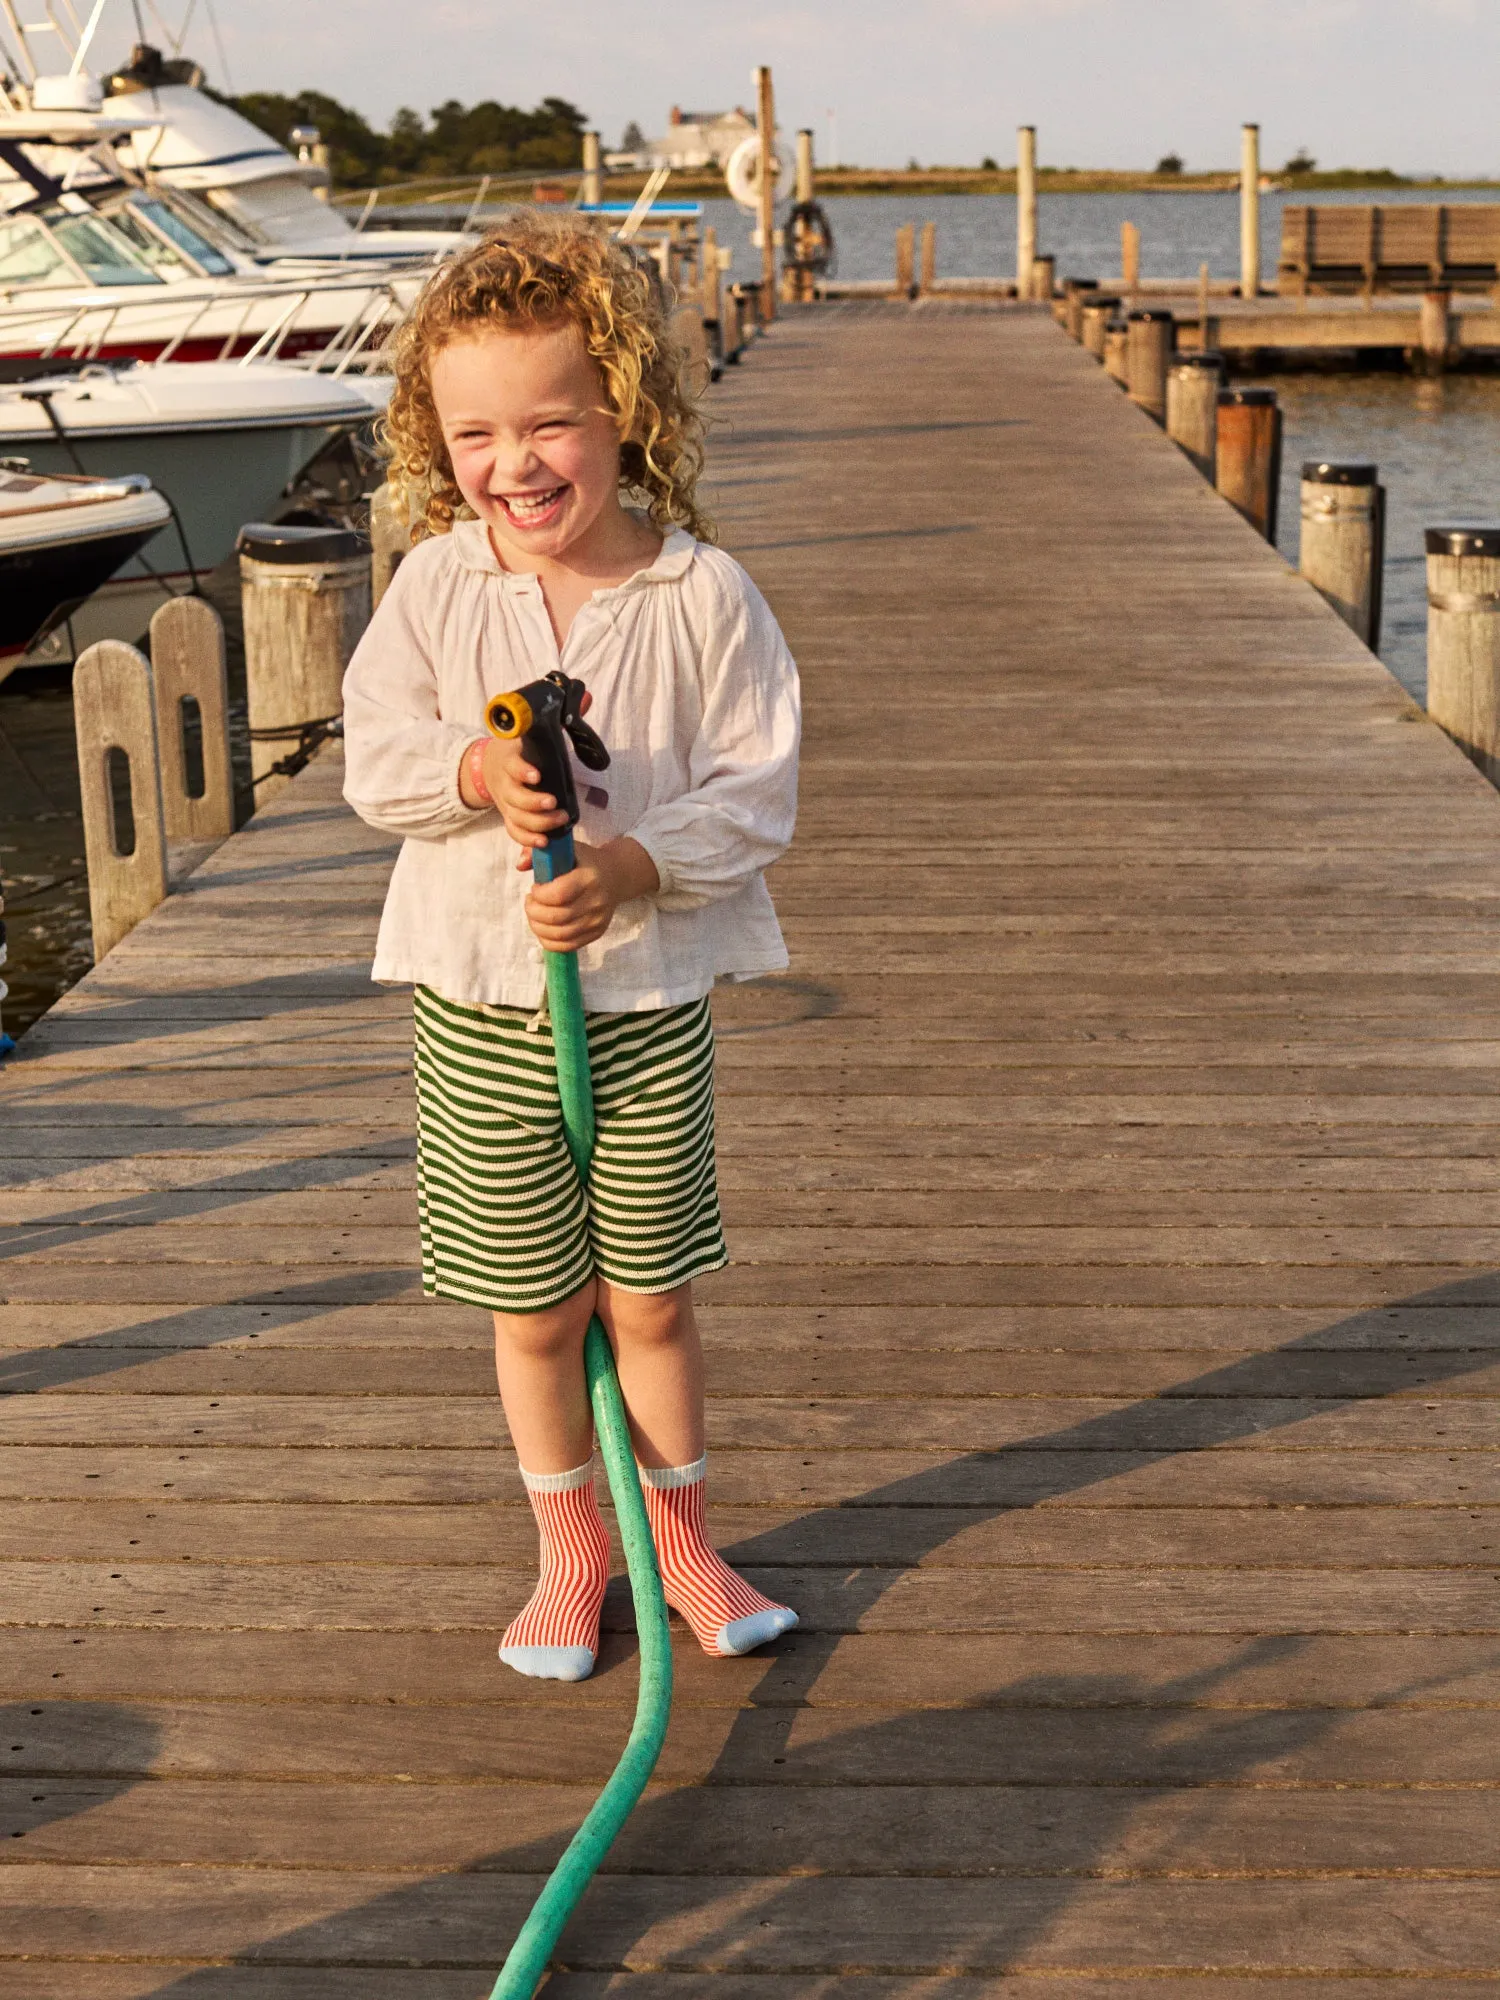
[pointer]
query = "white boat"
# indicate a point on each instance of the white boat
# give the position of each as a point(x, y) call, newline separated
point(193, 150)
point(220, 441)
point(60, 539)
point(205, 148)
point(78, 283)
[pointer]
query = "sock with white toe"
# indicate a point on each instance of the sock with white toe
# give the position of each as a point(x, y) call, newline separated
point(728, 1615)
point(556, 1638)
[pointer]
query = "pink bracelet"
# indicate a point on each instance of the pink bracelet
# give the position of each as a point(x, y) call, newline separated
point(474, 765)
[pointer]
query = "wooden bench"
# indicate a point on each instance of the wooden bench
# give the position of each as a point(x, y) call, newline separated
point(1391, 249)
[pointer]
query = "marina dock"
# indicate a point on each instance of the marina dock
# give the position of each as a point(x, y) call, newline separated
point(1107, 1370)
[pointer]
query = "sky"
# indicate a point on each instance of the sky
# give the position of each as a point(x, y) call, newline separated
point(1409, 84)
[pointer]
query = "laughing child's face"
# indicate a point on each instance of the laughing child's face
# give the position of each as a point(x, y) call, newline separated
point(535, 450)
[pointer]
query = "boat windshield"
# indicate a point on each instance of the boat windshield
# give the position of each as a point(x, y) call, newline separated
point(28, 256)
point(97, 247)
point(171, 225)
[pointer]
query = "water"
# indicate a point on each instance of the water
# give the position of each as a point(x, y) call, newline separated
point(1437, 444)
point(976, 233)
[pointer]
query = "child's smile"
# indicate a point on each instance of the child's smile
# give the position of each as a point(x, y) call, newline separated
point(536, 451)
point(533, 510)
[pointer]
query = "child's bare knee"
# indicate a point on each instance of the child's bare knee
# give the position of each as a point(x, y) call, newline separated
point(550, 1335)
point(648, 1319)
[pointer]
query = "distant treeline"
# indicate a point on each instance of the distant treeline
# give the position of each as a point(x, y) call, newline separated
point(456, 138)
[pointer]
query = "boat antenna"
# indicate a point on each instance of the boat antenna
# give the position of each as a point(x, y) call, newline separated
point(86, 37)
point(213, 22)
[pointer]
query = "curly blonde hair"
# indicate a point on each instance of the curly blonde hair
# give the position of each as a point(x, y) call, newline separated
point(535, 270)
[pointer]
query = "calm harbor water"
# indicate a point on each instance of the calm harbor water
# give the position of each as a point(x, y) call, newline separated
point(976, 233)
point(1437, 444)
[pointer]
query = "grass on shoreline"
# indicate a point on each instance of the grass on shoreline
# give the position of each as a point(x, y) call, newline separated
point(835, 181)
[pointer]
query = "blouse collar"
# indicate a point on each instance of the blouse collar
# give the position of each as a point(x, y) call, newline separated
point(471, 544)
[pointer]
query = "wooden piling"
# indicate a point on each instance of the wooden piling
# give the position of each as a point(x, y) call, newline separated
point(905, 260)
point(1436, 324)
point(1043, 279)
point(1130, 258)
point(927, 264)
point(1342, 549)
point(1463, 639)
point(1076, 295)
point(1247, 455)
point(805, 164)
point(306, 599)
point(765, 125)
point(1193, 384)
point(1152, 334)
point(187, 673)
point(124, 831)
point(711, 291)
point(1025, 208)
point(731, 325)
point(1117, 348)
point(591, 188)
point(390, 541)
point(1203, 303)
point(1095, 316)
point(1249, 211)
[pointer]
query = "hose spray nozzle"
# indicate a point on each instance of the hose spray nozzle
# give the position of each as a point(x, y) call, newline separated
point(546, 715)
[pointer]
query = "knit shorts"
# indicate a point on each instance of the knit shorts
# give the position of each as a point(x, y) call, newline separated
point(504, 1221)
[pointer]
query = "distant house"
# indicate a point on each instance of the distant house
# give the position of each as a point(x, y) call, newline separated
point(692, 139)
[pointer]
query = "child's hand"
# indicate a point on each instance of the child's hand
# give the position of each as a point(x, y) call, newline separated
point(570, 912)
point(529, 815)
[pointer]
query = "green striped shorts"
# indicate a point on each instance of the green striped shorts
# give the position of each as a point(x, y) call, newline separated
point(504, 1221)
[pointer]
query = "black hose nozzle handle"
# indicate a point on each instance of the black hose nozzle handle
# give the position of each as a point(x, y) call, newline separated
point(546, 715)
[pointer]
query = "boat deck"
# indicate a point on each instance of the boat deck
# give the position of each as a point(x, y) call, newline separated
point(1107, 1369)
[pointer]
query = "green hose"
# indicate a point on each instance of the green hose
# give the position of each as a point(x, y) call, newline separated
point(527, 1964)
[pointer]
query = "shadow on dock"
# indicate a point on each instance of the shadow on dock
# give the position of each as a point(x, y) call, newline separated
point(1162, 1739)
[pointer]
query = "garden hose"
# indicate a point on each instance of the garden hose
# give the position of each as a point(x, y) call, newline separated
point(526, 1966)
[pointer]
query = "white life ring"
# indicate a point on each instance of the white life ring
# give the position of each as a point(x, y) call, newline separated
point(742, 174)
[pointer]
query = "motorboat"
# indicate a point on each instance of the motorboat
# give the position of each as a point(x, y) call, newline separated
point(220, 442)
point(61, 537)
point(137, 284)
point(229, 180)
point(275, 198)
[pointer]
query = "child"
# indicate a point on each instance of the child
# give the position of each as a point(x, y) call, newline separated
point(536, 387)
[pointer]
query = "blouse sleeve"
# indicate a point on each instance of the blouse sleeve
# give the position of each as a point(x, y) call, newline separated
point(401, 759)
point(737, 816)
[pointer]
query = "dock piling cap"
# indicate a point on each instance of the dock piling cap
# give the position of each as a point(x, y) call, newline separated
point(1102, 302)
point(1339, 472)
point(1153, 313)
point(1254, 398)
point(1080, 284)
point(295, 542)
point(1200, 357)
point(1465, 538)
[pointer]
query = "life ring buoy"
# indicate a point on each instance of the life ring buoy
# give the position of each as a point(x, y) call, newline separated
point(742, 173)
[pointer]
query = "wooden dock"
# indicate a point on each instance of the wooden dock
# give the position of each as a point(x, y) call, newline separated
point(1108, 1368)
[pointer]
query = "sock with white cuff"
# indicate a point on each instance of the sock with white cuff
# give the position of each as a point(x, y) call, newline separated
point(556, 1638)
point(728, 1615)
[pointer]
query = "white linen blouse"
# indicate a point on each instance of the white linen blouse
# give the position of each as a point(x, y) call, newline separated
point(696, 696)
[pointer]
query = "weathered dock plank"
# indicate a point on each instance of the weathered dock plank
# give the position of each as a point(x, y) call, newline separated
point(1108, 1368)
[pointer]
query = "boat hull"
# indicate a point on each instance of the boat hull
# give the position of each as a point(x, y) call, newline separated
point(40, 586)
point(218, 478)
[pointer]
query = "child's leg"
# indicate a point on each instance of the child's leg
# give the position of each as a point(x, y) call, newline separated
point(539, 1363)
point(660, 1359)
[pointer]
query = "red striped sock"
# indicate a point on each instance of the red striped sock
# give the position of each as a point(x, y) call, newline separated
point(728, 1615)
point(556, 1637)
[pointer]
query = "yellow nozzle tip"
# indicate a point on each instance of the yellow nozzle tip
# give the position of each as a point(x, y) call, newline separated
point(508, 716)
